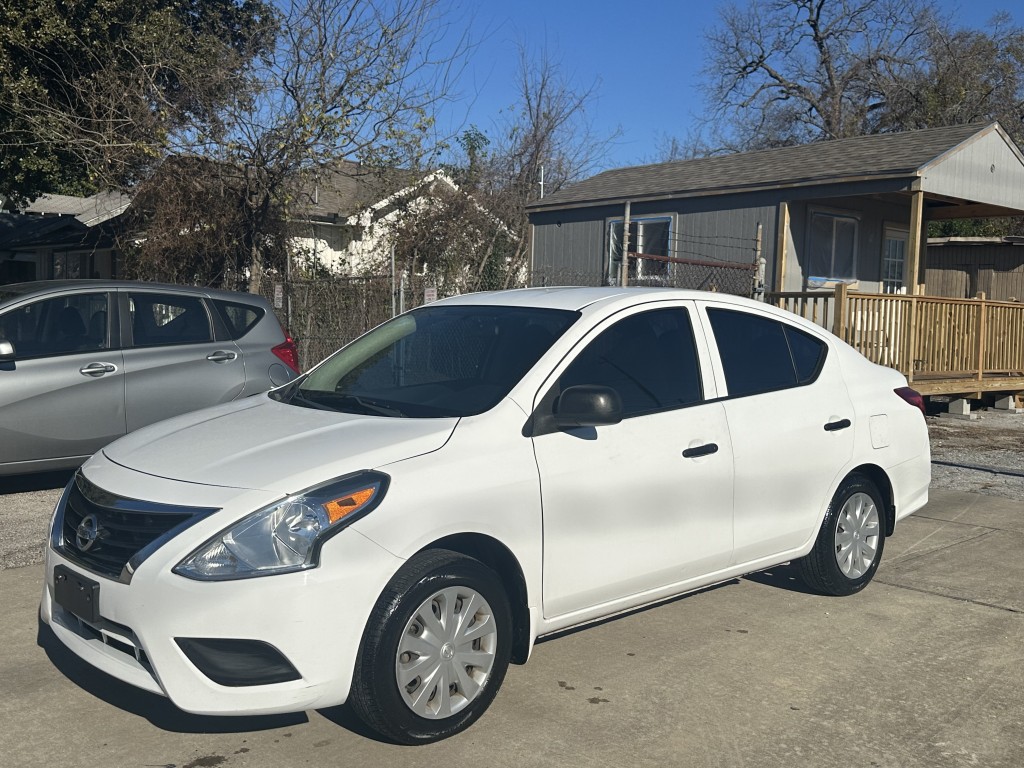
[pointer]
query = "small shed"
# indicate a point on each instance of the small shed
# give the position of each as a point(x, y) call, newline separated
point(805, 218)
point(963, 267)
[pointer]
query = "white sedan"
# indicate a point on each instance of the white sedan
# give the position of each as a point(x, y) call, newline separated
point(396, 526)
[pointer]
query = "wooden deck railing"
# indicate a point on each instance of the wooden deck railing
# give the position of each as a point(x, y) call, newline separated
point(921, 336)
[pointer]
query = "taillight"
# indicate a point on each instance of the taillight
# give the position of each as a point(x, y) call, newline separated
point(911, 396)
point(288, 353)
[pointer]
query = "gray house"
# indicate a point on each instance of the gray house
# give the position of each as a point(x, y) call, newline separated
point(812, 217)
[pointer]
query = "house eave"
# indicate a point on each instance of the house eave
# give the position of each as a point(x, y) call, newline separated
point(911, 175)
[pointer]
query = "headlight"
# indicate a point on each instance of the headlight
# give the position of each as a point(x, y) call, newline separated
point(287, 535)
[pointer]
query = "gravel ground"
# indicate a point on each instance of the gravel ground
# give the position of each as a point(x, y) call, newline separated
point(993, 440)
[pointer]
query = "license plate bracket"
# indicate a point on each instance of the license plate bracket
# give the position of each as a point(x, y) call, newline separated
point(77, 594)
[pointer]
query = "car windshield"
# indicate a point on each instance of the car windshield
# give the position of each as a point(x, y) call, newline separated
point(433, 362)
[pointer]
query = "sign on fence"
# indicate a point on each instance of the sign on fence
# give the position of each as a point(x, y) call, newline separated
point(278, 295)
point(429, 294)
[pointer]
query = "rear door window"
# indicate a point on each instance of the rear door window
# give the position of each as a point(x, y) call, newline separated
point(760, 354)
point(160, 319)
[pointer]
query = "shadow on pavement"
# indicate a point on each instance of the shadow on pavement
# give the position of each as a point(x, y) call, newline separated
point(156, 709)
point(44, 481)
point(785, 576)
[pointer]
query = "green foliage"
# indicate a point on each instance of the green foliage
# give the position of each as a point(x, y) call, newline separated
point(93, 93)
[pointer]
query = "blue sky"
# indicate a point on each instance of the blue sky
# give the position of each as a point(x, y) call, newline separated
point(645, 58)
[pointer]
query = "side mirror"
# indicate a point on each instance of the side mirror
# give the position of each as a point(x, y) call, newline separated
point(588, 405)
point(6, 351)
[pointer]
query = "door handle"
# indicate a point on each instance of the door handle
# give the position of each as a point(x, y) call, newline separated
point(221, 357)
point(97, 369)
point(835, 426)
point(701, 450)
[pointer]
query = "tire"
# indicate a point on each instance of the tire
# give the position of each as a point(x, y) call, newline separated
point(850, 543)
point(424, 673)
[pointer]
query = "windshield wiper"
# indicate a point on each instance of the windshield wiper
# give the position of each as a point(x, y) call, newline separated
point(297, 398)
point(371, 407)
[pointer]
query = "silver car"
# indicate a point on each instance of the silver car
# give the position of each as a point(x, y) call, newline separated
point(83, 362)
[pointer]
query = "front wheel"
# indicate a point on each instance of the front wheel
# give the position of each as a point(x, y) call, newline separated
point(435, 650)
point(849, 545)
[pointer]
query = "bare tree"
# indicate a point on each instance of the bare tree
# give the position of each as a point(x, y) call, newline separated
point(354, 79)
point(793, 71)
point(547, 137)
point(963, 76)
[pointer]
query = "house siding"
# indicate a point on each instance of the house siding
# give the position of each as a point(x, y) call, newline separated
point(873, 217)
point(574, 243)
point(985, 170)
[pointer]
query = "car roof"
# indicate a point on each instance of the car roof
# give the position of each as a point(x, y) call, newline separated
point(20, 291)
point(612, 299)
point(578, 298)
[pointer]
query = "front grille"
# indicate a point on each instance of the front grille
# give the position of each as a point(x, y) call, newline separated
point(104, 532)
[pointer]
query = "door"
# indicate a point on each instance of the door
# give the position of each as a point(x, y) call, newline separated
point(174, 364)
point(894, 257)
point(647, 502)
point(63, 395)
point(787, 406)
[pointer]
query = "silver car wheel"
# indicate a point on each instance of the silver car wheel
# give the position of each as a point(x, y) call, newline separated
point(446, 653)
point(857, 535)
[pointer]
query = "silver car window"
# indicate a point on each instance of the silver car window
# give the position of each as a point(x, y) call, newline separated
point(57, 326)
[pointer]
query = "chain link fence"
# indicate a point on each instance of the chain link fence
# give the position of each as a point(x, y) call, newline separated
point(738, 279)
point(324, 313)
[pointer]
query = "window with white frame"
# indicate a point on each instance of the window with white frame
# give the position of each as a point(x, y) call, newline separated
point(832, 247)
point(649, 239)
point(894, 256)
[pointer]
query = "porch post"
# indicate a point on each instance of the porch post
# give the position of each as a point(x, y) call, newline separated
point(912, 278)
point(624, 263)
point(780, 247)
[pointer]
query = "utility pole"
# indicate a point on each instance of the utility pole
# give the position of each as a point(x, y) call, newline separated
point(542, 182)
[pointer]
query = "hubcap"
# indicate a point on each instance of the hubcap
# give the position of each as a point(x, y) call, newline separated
point(857, 535)
point(446, 653)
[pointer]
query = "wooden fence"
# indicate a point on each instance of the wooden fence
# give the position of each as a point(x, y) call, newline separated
point(924, 337)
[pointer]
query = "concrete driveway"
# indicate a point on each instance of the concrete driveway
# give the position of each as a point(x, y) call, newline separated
point(924, 668)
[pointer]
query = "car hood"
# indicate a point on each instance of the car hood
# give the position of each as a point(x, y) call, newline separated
point(262, 444)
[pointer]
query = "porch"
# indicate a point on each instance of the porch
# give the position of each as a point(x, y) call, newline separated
point(963, 347)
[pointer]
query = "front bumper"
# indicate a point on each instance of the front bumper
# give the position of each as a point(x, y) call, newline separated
point(314, 619)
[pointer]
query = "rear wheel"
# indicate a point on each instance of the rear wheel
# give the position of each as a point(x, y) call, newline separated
point(849, 545)
point(435, 650)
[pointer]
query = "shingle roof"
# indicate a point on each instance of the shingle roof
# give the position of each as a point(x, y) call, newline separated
point(89, 210)
point(349, 188)
point(863, 157)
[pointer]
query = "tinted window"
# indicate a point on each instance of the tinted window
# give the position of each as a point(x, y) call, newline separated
point(75, 323)
point(239, 318)
point(168, 319)
point(754, 351)
point(808, 353)
point(434, 361)
point(648, 358)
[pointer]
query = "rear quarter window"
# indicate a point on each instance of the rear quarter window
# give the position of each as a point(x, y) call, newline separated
point(238, 318)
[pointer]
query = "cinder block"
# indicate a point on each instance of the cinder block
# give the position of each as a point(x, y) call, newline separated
point(961, 407)
point(1010, 403)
